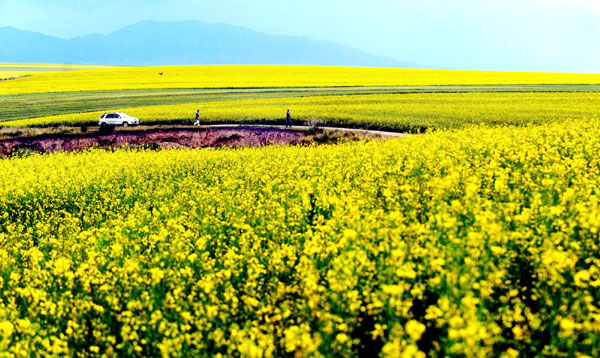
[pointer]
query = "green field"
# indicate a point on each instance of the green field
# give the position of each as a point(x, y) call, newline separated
point(23, 106)
point(405, 112)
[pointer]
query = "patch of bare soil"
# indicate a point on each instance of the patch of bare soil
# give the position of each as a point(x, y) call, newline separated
point(154, 138)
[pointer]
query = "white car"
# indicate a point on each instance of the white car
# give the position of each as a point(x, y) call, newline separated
point(117, 119)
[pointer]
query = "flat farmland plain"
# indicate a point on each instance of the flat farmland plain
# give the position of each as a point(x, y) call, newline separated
point(478, 238)
point(407, 112)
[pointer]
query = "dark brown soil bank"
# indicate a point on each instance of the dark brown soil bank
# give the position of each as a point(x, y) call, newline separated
point(154, 138)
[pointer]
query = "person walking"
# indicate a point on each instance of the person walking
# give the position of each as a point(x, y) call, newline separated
point(197, 123)
point(288, 119)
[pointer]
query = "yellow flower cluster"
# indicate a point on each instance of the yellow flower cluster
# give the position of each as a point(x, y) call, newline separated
point(249, 76)
point(475, 243)
point(407, 112)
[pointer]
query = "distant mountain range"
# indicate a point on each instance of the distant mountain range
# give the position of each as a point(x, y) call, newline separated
point(152, 43)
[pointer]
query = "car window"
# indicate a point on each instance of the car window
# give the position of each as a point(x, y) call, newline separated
point(117, 116)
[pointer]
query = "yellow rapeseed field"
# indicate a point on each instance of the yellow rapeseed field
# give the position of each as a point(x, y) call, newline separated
point(474, 243)
point(392, 111)
point(480, 239)
point(4, 75)
point(50, 66)
point(271, 76)
point(12, 70)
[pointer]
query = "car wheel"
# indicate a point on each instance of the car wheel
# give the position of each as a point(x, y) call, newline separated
point(103, 125)
point(125, 124)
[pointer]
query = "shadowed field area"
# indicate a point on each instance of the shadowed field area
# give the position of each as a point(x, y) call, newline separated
point(66, 139)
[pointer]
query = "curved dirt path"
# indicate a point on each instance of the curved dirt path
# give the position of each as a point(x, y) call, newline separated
point(366, 132)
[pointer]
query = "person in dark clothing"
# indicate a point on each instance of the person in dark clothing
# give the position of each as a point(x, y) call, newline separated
point(288, 119)
point(197, 123)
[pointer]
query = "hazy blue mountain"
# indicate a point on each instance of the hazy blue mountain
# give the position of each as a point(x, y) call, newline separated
point(24, 46)
point(152, 43)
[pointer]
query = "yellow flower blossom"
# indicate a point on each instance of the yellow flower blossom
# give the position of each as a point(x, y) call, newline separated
point(415, 329)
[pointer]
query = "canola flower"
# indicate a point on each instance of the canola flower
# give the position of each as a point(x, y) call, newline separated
point(472, 243)
point(252, 76)
point(407, 112)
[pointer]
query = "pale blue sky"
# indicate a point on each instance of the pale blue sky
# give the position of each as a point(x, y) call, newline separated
point(534, 35)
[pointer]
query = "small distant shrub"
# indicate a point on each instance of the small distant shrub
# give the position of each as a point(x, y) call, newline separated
point(151, 146)
point(107, 129)
point(22, 151)
point(15, 133)
point(314, 130)
point(326, 138)
point(314, 122)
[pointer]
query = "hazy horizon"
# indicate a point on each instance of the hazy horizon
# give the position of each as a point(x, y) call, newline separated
point(510, 35)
